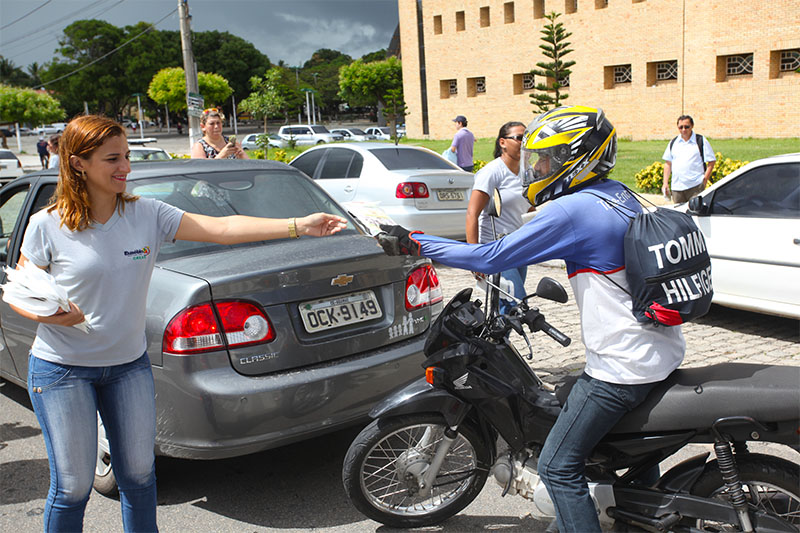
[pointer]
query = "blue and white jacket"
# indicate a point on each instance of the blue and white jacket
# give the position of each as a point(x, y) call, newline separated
point(587, 234)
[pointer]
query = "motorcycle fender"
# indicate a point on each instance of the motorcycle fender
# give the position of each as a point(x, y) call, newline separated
point(421, 397)
point(682, 476)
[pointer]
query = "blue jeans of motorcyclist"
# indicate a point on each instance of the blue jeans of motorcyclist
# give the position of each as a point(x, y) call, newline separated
point(517, 277)
point(66, 400)
point(592, 408)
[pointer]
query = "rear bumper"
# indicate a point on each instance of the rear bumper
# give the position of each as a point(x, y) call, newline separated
point(205, 410)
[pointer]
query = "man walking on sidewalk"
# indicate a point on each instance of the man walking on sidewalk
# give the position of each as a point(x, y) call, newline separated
point(689, 160)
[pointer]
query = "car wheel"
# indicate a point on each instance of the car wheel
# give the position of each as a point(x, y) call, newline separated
point(320, 142)
point(104, 480)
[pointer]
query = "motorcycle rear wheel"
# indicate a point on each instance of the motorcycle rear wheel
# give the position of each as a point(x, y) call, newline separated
point(379, 469)
point(770, 484)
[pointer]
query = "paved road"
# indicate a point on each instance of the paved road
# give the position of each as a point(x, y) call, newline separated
point(298, 487)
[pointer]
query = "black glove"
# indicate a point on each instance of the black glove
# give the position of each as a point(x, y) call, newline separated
point(397, 240)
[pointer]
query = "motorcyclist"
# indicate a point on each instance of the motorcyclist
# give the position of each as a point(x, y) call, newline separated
point(566, 153)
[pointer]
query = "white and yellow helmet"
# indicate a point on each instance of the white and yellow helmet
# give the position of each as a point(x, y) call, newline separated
point(565, 149)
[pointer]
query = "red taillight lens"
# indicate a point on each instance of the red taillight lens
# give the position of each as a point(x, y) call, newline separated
point(422, 288)
point(411, 189)
point(196, 329)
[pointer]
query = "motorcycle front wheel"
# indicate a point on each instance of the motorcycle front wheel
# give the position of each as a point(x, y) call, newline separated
point(771, 485)
point(383, 466)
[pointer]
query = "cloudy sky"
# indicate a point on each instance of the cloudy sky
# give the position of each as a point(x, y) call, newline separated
point(290, 30)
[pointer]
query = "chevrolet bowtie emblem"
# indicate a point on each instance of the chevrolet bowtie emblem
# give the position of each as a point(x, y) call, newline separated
point(342, 279)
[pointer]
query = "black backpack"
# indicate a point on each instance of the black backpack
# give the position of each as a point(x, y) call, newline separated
point(667, 265)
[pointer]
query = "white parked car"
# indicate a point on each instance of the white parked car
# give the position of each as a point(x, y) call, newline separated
point(308, 135)
point(51, 129)
point(249, 141)
point(416, 187)
point(751, 224)
point(354, 134)
point(10, 166)
point(382, 133)
point(141, 152)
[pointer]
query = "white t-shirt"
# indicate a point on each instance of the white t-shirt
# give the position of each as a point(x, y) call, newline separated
point(687, 167)
point(497, 175)
point(106, 270)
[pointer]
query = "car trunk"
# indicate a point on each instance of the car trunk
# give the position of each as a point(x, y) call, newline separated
point(294, 283)
point(448, 189)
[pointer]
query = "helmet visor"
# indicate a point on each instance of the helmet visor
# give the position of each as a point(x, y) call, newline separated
point(542, 164)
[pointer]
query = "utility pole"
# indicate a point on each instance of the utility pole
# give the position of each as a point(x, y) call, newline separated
point(193, 99)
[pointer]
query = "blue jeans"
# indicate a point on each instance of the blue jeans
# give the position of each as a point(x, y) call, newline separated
point(66, 400)
point(517, 277)
point(592, 408)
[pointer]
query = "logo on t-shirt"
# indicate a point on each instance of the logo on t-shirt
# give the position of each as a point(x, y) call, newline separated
point(138, 254)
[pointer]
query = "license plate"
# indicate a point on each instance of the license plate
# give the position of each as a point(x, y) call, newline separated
point(449, 195)
point(330, 313)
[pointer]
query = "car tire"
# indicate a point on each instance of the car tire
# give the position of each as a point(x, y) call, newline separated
point(104, 480)
point(320, 142)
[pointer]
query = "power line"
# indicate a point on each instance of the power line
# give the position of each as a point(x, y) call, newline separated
point(25, 15)
point(152, 26)
point(49, 25)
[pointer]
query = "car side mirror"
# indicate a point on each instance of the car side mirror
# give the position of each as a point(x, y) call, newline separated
point(697, 206)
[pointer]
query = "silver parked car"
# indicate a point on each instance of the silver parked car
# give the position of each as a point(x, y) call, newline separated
point(10, 166)
point(274, 141)
point(303, 135)
point(255, 345)
point(354, 134)
point(416, 187)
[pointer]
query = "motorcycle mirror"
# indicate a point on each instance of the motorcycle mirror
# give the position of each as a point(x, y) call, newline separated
point(495, 204)
point(550, 289)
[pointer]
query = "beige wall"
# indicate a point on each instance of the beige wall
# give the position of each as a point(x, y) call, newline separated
point(635, 32)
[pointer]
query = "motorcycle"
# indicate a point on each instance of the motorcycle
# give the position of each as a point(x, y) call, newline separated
point(481, 409)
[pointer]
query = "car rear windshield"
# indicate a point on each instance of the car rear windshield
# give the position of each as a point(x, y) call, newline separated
point(149, 155)
point(320, 129)
point(409, 159)
point(356, 131)
point(258, 193)
point(7, 154)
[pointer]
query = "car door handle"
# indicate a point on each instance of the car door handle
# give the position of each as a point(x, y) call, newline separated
point(349, 188)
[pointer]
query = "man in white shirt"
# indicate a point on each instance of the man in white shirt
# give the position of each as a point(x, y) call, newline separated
point(689, 160)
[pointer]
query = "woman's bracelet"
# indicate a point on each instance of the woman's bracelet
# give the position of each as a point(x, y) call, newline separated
point(293, 229)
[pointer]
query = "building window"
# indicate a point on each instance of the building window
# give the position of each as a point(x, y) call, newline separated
point(623, 74)
point(617, 75)
point(661, 71)
point(790, 60)
point(460, 24)
point(485, 21)
point(565, 81)
point(739, 65)
point(523, 83)
point(448, 88)
point(476, 86)
point(437, 24)
point(570, 6)
point(538, 9)
point(600, 4)
point(508, 12)
point(637, 1)
point(666, 70)
point(784, 62)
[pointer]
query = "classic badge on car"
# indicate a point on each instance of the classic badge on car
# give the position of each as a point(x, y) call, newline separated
point(342, 280)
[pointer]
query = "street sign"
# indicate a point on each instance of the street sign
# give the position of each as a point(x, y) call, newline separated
point(194, 103)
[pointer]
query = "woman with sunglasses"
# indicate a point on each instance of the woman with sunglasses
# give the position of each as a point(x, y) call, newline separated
point(501, 174)
point(214, 145)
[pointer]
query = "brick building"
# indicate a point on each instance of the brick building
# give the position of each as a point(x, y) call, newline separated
point(731, 64)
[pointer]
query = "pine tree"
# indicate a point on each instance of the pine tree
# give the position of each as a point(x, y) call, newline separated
point(556, 71)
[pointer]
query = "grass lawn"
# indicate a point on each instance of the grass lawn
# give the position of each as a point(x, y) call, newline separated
point(632, 156)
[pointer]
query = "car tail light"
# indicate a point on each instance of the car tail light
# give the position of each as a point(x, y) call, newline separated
point(197, 329)
point(422, 288)
point(411, 189)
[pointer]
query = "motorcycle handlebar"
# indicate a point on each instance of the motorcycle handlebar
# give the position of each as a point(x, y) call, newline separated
point(536, 322)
